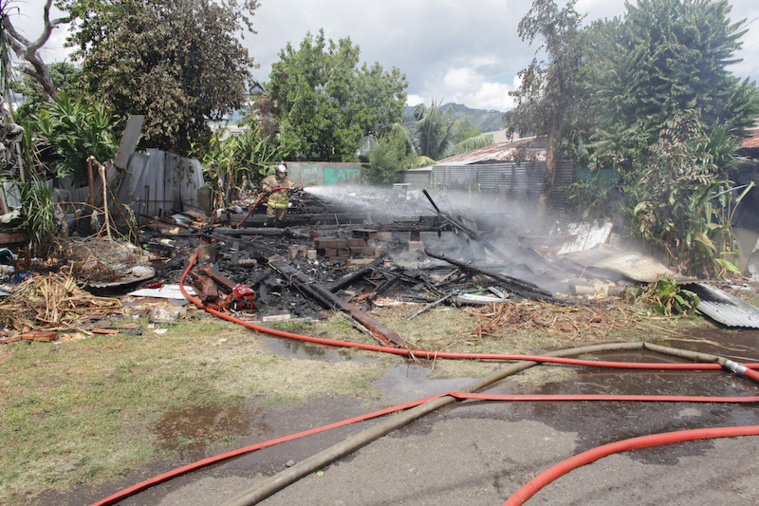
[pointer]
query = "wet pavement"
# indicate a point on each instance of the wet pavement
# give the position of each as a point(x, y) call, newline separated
point(478, 452)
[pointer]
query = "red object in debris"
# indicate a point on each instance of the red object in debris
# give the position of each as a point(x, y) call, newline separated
point(241, 291)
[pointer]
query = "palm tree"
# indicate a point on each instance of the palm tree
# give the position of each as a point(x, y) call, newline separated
point(433, 132)
point(433, 136)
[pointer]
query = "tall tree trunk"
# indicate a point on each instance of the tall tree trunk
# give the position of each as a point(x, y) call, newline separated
point(552, 158)
point(28, 50)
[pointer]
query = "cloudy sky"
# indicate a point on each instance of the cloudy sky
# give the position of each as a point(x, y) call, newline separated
point(450, 51)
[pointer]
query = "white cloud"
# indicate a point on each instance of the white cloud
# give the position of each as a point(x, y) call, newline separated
point(449, 50)
point(466, 85)
point(414, 100)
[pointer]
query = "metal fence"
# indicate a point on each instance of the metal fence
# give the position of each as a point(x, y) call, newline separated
point(526, 180)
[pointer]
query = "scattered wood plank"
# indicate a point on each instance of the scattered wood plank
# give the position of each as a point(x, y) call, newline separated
point(327, 299)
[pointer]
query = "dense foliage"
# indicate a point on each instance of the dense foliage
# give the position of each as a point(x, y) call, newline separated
point(648, 95)
point(74, 130)
point(178, 62)
point(325, 104)
point(391, 155)
point(235, 161)
point(63, 76)
point(681, 199)
point(663, 58)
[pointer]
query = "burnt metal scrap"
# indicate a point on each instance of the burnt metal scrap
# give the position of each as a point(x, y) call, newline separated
point(723, 307)
point(519, 287)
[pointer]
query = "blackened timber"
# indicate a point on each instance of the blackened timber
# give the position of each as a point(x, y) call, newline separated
point(385, 285)
point(326, 298)
point(520, 287)
point(467, 230)
point(354, 276)
point(236, 232)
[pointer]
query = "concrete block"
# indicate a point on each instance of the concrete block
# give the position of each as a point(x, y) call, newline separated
point(416, 246)
point(365, 233)
point(355, 242)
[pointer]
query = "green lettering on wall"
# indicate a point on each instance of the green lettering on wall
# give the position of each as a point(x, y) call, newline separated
point(337, 176)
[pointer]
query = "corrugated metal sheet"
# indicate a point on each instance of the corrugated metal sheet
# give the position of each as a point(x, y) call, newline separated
point(526, 180)
point(724, 308)
point(751, 142)
point(158, 183)
point(498, 152)
point(635, 266)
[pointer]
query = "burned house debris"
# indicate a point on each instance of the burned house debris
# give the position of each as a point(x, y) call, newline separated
point(342, 246)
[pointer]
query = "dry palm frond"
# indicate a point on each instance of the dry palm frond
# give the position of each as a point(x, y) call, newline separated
point(571, 321)
point(52, 301)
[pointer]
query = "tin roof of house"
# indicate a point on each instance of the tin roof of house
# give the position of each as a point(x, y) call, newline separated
point(752, 142)
point(498, 152)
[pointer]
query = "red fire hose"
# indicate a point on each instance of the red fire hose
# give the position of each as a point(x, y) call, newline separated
point(258, 201)
point(118, 496)
point(533, 486)
point(745, 368)
point(546, 477)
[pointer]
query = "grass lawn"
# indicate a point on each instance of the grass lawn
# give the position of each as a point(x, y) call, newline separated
point(83, 411)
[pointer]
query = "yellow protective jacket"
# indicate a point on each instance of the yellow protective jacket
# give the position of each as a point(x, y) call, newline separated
point(279, 198)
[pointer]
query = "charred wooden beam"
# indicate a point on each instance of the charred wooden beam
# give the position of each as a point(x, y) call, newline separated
point(205, 288)
point(238, 232)
point(473, 234)
point(326, 298)
point(518, 286)
point(354, 276)
point(383, 287)
point(217, 276)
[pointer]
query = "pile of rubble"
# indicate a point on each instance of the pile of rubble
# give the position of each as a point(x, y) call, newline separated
point(347, 255)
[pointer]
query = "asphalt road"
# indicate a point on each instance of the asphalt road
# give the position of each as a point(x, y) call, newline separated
point(480, 453)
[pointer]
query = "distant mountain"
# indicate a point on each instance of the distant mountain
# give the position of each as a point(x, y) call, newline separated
point(485, 121)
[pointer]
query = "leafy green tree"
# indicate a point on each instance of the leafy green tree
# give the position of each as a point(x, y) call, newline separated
point(63, 76)
point(680, 199)
point(239, 158)
point(76, 130)
point(662, 58)
point(324, 104)
point(178, 62)
point(391, 155)
point(548, 102)
point(433, 131)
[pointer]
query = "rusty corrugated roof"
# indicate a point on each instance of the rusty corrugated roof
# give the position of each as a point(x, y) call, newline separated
point(498, 152)
point(751, 142)
point(635, 266)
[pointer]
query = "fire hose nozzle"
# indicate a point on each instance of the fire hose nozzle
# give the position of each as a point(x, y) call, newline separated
point(735, 367)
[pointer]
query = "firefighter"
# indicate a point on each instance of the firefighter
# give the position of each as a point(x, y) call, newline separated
point(279, 201)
